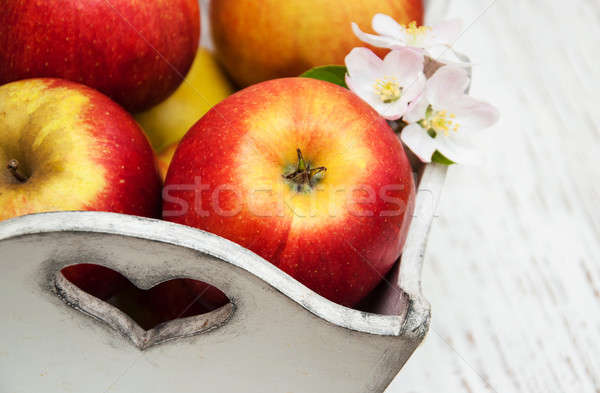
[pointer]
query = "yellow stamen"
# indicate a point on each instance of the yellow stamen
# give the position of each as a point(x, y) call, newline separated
point(413, 31)
point(440, 121)
point(388, 89)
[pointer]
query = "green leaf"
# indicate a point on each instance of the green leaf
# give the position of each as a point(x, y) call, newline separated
point(441, 159)
point(330, 73)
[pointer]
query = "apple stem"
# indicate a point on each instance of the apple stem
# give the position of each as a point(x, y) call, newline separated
point(13, 167)
point(304, 174)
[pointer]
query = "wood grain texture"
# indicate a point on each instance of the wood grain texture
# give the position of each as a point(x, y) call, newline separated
point(513, 263)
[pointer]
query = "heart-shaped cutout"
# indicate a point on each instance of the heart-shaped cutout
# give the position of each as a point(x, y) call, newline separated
point(175, 308)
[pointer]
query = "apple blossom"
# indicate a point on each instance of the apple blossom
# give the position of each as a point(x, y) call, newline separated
point(388, 85)
point(445, 117)
point(393, 35)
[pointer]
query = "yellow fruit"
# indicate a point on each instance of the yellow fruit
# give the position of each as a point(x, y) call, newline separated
point(204, 86)
point(164, 160)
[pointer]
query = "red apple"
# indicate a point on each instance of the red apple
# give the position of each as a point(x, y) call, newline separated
point(267, 39)
point(177, 298)
point(96, 280)
point(136, 52)
point(183, 297)
point(65, 146)
point(336, 219)
point(72, 148)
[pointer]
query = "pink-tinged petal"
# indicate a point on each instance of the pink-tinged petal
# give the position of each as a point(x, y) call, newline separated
point(473, 115)
point(419, 142)
point(405, 64)
point(389, 111)
point(393, 110)
point(364, 89)
point(358, 86)
point(414, 88)
point(385, 110)
point(417, 109)
point(445, 32)
point(375, 40)
point(386, 25)
point(458, 150)
point(365, 68)
point(445, 85)
point(363, 61)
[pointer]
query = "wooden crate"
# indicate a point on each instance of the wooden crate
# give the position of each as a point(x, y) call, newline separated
point(275, 336)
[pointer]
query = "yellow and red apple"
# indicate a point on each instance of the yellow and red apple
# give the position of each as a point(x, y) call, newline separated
point(136, 52)
point(260, 40)
point(303, 173)
point(65, 146)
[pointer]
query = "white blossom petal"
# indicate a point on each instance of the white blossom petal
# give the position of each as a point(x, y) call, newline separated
point(386, 85)
point(393, 110)
point(472, 114)
point(419, 142)
point(392, 34)
point(362, 61)
point(375, 40)
point(445, 32)
point(364, 68)
point(458, 150)
point(365, 91)
point(387, 26)
point(415, 88)
point(445, 85)
point(417, 109)
point(403, 63)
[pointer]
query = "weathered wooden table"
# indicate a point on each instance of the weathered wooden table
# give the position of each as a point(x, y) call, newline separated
point(513, 263)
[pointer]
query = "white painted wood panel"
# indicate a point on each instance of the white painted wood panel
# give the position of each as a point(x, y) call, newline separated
point(513, 263)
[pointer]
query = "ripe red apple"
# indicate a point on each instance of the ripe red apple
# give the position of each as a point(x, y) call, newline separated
point(183, 297)
point(136, 52)
point(96, 280)
point(267, 39)
point(65, 146)
point(303, 173)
